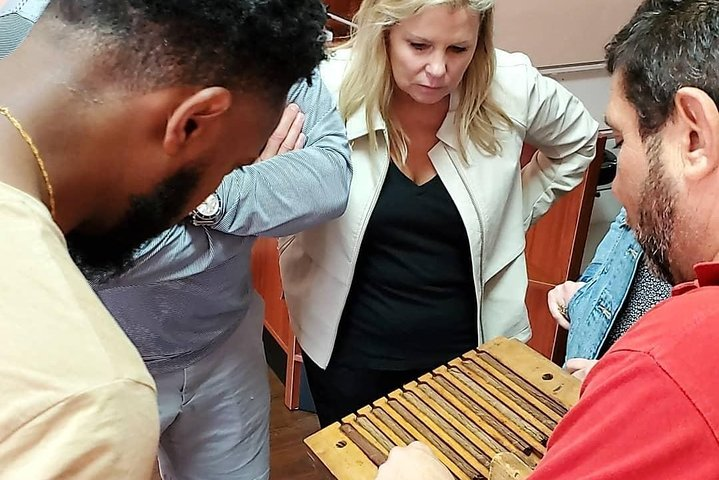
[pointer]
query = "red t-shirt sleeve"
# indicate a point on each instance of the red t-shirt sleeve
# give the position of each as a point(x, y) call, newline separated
point(632, 422)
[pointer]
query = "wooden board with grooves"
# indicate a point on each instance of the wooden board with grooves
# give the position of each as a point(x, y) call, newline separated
point(502, 399)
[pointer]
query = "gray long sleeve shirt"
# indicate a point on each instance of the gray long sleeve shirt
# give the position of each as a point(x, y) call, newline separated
point(191, 286)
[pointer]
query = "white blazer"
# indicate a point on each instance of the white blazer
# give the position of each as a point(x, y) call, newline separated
point(496, 199)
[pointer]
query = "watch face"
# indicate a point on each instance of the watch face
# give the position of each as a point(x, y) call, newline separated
point(208, 213)
point(210, 207)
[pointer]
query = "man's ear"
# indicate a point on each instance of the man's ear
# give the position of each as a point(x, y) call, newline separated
point(196, 119)
point(697, 120)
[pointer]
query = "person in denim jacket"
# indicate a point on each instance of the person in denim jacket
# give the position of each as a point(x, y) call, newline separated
point(614, 291)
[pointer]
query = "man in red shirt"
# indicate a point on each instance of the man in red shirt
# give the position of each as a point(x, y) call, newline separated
point(650, 408)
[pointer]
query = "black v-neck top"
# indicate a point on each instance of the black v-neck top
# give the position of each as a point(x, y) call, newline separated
point(412, 303)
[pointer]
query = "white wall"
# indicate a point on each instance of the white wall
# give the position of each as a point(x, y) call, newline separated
point(590, 86)
point(560, 32)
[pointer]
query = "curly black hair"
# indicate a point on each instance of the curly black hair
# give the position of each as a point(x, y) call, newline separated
point(262, 45)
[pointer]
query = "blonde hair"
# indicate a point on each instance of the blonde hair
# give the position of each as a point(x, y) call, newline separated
point(478, 116)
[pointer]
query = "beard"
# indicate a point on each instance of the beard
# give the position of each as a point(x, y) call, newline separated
point(101, 256)
point(655, 226)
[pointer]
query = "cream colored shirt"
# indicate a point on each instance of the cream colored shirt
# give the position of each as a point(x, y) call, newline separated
point(76, 401)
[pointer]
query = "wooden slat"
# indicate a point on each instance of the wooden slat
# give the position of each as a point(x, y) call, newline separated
point(362, 440)
point(501, 412)
point(479, 417)
point(459, 447)
point(506, 466)
point(452, 430)
point(374, 442)
point(416, 434)
point(388, 421)
point(507, 396)
point(376, 433)
point(477, 436)
point(458, 465)
point(493, 406)
point(537, 407)
point(532, 366)
point(529, 391)
point(371, 415)
point(486, 417)
point(340, 458)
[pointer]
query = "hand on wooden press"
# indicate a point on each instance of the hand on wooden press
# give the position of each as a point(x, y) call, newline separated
point(413, 462)
point(288, 135)
point(580, 367)
point(558, 299)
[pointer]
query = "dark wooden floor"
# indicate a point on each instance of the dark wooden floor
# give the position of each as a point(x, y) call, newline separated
point(288, 456)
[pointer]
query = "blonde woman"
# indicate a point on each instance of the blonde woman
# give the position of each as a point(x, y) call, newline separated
point(428, 260)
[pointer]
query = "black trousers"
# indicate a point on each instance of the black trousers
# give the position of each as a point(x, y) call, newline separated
point(339, 391)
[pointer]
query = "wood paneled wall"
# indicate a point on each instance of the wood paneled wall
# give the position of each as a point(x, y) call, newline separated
point(266, 277)
point(345, 9)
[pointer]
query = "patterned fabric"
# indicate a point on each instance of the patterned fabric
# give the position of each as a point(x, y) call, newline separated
point(16, 19)
point(646, 291)
point(192, 286)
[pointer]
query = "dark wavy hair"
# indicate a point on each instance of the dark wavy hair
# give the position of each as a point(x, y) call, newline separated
point(261, 45)
point(667, 45)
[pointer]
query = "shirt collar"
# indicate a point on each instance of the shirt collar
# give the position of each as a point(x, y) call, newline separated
point(357, 124)
point(447, 133)
point(29, 9)
point(707, 275)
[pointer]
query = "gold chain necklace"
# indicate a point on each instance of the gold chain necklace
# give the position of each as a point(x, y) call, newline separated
point(50, 192)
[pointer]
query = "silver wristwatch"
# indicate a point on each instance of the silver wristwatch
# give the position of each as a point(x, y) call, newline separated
point(208, 213)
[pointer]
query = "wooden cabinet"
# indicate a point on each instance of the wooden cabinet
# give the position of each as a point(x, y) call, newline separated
point(266, 277)
point(345, 9)
point(555, 246)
